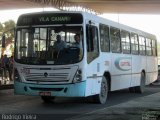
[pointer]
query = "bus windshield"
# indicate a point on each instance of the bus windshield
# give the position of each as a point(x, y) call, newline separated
point(49, 45)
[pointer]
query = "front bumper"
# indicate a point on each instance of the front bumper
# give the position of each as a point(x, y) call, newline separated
point(67, 90)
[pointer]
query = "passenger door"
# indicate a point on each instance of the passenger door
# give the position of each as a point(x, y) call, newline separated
point(93, 65)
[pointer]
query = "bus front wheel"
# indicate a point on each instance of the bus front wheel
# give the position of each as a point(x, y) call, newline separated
point(102, 96)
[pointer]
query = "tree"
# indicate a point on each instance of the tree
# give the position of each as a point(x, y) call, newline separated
point(1, 29)
point(7, 28)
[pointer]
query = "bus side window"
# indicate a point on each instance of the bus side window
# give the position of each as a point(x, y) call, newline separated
point(104, 38)
point(142, 43)
point(148, 47)
point(125, 39)
point(92, 43)
point(154, 48)
point(115, 40)
point(89, 38)
point(134, 44)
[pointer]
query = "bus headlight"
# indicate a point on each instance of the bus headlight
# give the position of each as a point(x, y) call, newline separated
point(16, 76)
point(78, 76)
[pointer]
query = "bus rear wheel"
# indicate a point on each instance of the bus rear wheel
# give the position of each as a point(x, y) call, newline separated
point(102, 97)
point(141, 88)
point(47, 99)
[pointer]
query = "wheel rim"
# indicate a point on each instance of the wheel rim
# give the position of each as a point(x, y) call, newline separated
point(104, 91)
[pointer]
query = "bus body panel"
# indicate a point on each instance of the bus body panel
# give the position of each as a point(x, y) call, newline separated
point(94, 72)
point(121, 71)
point(138, 65)
point(92, 86)
point(151, 69)
point(136, 69)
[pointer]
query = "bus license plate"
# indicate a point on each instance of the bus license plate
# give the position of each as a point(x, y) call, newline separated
point(45, 93)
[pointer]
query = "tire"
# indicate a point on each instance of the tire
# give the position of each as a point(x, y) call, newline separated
point(47, 99)
point(132, 89)
point(141, 88)
point(102, 97)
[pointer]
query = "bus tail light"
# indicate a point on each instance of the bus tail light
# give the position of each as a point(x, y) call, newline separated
point(16, 76)
point(78, 76)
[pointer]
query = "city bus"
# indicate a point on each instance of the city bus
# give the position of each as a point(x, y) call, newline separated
point(111, 56)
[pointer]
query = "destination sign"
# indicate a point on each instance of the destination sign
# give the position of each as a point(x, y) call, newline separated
point(49, 19)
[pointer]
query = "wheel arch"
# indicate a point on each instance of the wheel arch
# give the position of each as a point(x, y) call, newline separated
point(143, 70)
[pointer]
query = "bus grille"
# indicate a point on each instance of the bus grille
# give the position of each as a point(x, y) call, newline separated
point(52, 75)
point(50, 78)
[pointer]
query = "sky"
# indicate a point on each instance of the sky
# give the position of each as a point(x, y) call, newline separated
point(145, 22)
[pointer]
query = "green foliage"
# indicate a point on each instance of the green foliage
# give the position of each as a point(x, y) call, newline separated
point(7, 28)
point(1, 29)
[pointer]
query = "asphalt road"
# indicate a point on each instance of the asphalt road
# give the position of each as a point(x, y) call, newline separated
point(63, 108)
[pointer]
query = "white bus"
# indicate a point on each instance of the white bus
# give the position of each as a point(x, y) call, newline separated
point(111, 56)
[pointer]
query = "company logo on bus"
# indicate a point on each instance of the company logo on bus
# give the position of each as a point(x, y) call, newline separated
point(123, 63)
point(45, 74)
